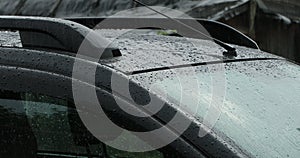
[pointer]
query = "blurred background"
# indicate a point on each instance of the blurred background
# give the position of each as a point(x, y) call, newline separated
point(273, 24)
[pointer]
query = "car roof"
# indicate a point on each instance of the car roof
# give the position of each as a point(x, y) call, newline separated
point(145, 51)
point(132, 51)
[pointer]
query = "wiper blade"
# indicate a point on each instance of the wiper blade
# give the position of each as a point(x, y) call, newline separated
point(230, 50)
point(199, 64)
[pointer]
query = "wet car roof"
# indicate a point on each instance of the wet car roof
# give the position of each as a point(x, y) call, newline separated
point(142, 50)
point(145, 49)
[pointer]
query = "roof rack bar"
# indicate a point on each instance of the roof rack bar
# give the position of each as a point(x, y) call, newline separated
point(216, 29)
point(51, 33)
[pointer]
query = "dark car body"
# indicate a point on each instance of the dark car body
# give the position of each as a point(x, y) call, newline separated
point(39, 76)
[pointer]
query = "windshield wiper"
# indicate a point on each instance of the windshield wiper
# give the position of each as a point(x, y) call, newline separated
point(198, 64)
point(230, 50)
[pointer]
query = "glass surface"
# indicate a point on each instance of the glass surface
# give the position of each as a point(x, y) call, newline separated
point(261, 106)
point(37, 125)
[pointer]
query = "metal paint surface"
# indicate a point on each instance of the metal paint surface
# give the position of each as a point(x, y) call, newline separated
point(143, 50)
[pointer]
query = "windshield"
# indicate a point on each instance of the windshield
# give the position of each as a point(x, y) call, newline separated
point(261, 105)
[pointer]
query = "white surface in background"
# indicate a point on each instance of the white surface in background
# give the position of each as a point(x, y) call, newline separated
point(10, 39)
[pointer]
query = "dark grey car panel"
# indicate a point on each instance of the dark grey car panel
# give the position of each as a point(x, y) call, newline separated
point(27, 76)
point(22, 80)
point(56, 34)
point(50, 72)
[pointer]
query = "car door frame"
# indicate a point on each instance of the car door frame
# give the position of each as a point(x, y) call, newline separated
point(50, 73)
point(18, 75)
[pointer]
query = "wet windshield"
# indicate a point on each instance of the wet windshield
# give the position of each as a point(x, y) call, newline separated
point(260, 112)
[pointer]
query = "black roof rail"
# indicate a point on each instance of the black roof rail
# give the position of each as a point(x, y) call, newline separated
point(51, 33)
point(216, 29)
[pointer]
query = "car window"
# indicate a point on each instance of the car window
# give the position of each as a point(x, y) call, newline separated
point(261, 105)
point(37, 125)
point(114, 153)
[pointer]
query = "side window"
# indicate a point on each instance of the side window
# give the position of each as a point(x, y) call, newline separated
point(114, 153)
point(41, 126)
point(51, 121)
